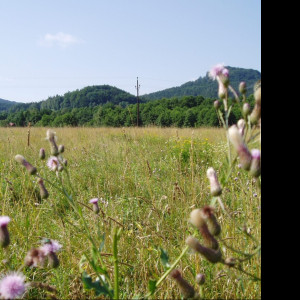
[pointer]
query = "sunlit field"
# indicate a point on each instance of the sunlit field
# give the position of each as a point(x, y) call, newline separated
point(149, 179)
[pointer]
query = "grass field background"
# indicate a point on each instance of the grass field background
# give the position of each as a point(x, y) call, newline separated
point(151, 178)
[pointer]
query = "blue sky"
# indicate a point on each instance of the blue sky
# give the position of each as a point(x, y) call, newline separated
point(51, 47)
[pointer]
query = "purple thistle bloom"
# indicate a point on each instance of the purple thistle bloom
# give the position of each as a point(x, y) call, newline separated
point(4, 220)
point(53, 163)
point(218, 70)
point(51, 247)
point(12, 286)
point(94, 200)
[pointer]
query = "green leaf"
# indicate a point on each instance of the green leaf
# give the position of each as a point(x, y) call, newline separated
point(88, 284)
point(152, 286)
point(164, 257)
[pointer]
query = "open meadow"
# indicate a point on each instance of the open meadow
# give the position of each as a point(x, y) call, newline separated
point(148, 181)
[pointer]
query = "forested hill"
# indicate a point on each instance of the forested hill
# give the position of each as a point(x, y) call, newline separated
point(6, 104)
point(90, 96)
point(206, 87)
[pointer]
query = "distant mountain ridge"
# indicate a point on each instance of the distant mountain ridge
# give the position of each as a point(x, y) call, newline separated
point(6, 104)
point(92, 96)
point(206, 87)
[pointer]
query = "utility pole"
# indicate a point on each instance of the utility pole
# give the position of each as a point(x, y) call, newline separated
point(137, 101)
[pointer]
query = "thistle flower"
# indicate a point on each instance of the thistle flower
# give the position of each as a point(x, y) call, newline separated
point(211, 220)
point(218, 71)
point(211, 255)
point(42, 153)
point(51, 137)
point(53, 163)
point(43, 191)
point(255, 168)
point(200, 278)
point(61, 148)
point(215, 188)
point(246, 109)
point(94, 201)
point(243, 87)
point(217, 104)
point(186, 289)
point(12, 286)
point(49, 249)
point(197, 219)
point(256, 114)
point(35, 257)
point(237, 140)
point(241, 124)
point(4, 234)
point(20, 159)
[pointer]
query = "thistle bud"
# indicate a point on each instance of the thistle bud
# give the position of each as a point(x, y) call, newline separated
point(4, 234)
point(243, 87)
point(197, 218)
point(20, 159)
point(241, 126)
point(246, 109)
point(186, 289)
point(255, 168)
point(222, 90)
point(256, 114)
point(211, 220)
point(60, 167)
point(257, 93)
point(43, 191)
point(211, 255)
point(51, 137)
point(200, 278)
point(65, 162)
point(217, 104)
point(42, 153)
point(237, 140)
point(61, 148)
point(94, 201)
point(215, 188)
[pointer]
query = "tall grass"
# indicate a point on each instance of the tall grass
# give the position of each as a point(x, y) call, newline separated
point(151, 178)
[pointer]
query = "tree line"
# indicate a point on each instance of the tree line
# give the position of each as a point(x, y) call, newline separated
point(188, 111)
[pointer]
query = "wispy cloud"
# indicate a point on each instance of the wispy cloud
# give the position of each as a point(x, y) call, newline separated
point(60, 39)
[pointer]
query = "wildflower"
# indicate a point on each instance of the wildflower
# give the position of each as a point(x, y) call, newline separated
point(211, 255)
point(61, 148)
point(197, 218)
point(43, 191)
point(186, 289)
point(42, 153)
point(200, 278)
point(4, 234)
point(255, 168)
point(241, 126)
point(94, 201)
point(49, 249)
point(243, 87)
point(217, 104)
point(211, 220)
point(246, 109)
point(242, 150)
point(53, 163)
point(35, 257)
point(20, 159)
point(51, 137)
point(215, 187)
point(12, 286)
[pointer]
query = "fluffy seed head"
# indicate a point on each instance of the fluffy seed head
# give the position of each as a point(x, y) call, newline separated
point(12, 286)
point(196, 218)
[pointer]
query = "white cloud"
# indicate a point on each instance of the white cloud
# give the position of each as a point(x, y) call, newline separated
point(60, 39)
